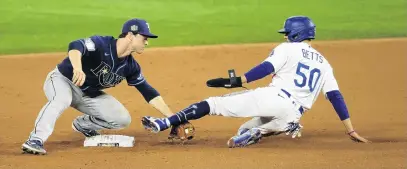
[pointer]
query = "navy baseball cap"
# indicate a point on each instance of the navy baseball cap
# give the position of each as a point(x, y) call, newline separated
point(139, 26)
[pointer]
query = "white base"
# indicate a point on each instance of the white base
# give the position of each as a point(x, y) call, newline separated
point(109, 141)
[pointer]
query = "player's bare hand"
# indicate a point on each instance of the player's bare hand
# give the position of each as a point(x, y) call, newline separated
point(78, 77)
point(356, 138)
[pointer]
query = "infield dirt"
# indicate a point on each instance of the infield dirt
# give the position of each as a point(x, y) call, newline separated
point(372, 76)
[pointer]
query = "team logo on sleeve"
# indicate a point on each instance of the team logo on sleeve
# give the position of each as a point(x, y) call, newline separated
point(140, 77)
point(107, 78)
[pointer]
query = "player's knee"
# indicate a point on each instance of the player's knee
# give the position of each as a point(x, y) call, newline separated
point(60, 103)
point(123, 120)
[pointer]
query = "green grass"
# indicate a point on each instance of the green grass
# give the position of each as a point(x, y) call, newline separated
point(49, 25)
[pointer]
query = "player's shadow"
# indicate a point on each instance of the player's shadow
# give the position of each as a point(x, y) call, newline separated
point(387, 140)
point(171, 143)
point(14, 149)
point(212, 139)
point(218, 139)
point(65, 145)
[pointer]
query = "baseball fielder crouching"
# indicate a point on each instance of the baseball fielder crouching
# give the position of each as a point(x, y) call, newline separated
point(299, 71)
point(94, 64)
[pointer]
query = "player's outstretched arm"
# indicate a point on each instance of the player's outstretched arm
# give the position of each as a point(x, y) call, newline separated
point(352, 133)
point(274, 62)
point(338, 102)
point(159, 104)
point(260, 71)
point(153, 97)
point(256, 73)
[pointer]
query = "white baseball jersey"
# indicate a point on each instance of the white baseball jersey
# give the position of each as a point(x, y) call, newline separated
point(302, 71)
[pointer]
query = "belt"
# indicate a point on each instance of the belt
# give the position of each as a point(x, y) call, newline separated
point(301, 109)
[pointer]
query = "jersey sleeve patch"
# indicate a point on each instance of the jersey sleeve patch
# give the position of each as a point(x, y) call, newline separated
point(90, 45)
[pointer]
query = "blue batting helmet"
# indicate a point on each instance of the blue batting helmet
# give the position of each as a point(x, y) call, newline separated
point(298, 28)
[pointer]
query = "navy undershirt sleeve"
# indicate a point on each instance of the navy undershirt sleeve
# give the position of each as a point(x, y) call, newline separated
point(147, 91)
point(259, 71)
point(78, 45)
point(337, 101)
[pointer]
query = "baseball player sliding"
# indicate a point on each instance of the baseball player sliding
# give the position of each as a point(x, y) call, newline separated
point(299, 74)
point(94, 64)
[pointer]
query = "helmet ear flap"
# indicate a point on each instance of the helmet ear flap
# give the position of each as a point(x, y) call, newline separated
point(302, 34)
point(295, 36)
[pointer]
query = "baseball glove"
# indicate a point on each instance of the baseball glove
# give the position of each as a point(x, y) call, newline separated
point(182, 132)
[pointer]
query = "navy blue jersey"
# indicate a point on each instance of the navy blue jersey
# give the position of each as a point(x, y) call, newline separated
point(101, 65)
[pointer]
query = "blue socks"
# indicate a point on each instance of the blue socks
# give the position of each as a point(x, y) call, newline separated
point(194, 111)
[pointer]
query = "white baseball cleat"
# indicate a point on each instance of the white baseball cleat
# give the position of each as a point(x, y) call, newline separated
point(249, 137)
